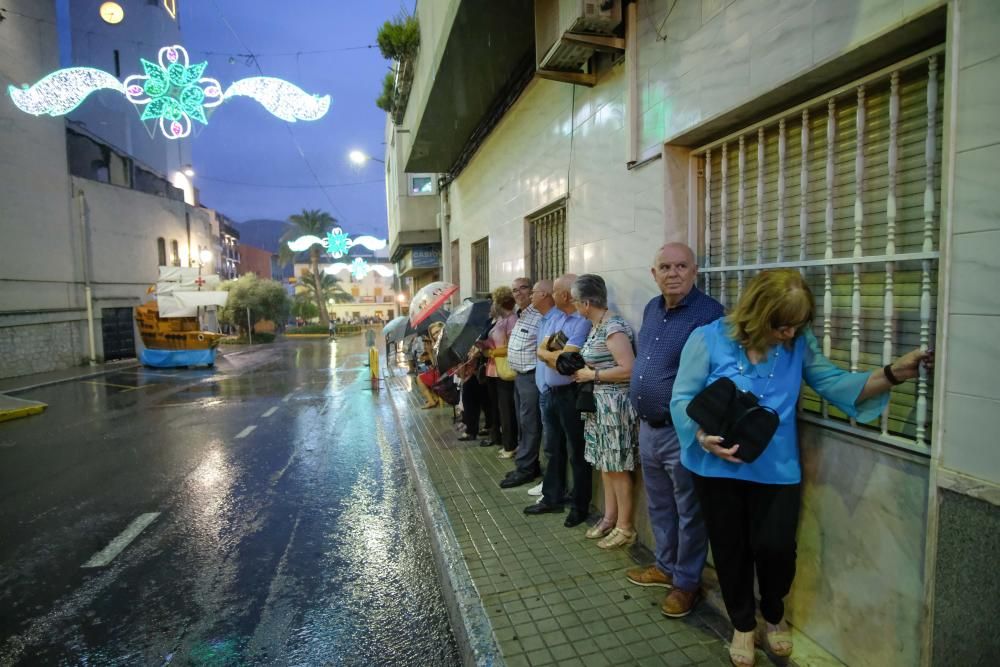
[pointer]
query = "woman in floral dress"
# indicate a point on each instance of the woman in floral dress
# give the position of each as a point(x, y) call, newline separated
point(612, 432)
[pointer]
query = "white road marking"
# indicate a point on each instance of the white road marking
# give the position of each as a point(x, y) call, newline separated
point(117, 545)
point(270, 412)
point(287, 396)
point(245, 432)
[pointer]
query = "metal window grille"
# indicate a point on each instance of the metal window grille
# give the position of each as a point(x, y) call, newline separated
point(548, 244)
point(845, 188)
point(481, 268)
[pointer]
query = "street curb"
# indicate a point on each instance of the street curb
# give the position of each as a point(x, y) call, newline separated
point(84, 376)
point(471, 625)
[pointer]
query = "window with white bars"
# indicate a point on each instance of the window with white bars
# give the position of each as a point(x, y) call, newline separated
point(481, 268)
point(547, 233)
point(846, 188)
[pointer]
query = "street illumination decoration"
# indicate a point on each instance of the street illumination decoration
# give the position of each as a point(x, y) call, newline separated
point(337, 243)
point(172, 92)
point(359, 269)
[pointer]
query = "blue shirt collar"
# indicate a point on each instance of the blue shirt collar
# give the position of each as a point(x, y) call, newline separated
point(686, 301)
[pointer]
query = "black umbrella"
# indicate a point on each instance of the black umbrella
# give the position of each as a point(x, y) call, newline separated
point(461, 330)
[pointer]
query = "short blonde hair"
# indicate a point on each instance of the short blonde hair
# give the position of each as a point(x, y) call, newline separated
point(772, 299)
point(503, 298)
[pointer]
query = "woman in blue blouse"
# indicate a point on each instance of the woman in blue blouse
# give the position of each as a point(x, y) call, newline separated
point(751, 510)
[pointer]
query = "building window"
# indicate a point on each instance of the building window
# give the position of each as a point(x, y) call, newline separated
point(547, 234)
point(422, 184)
point(161, 251)
point(846, 188)
point(481, 268)
point(175, 253)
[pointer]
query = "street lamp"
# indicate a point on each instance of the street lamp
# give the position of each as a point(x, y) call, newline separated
point(188, 171)
point(359, 158)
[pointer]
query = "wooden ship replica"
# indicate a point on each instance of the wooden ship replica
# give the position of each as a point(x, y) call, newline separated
point(171, 324)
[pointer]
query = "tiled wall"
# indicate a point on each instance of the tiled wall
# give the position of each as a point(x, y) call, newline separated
point(709, 56)
point(972, 394)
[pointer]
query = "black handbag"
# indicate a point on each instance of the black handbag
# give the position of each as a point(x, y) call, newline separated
point(723, 409)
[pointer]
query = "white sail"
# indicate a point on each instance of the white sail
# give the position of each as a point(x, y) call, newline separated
point(182, 290)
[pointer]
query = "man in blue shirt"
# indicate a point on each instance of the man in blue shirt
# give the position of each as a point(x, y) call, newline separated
point(667, 321)
point(562, 430)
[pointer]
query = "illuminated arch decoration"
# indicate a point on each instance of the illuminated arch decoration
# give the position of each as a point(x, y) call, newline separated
point(172, 91)
point(360, 269)
point(337, 243)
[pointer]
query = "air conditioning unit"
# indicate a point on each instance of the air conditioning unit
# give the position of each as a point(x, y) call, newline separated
point(568, 32)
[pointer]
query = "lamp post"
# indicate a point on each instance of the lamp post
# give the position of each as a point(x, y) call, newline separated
point(359, 158)
point(401, 298)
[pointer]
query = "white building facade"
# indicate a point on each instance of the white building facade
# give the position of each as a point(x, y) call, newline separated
point(854, 140)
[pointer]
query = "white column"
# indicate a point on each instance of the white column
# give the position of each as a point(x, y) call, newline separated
point(888, 308)
point(723, 224)
point(781, 191)
point(859, 216)
point(804, 188)
point(831, 175)
point(930, 154)
point(708, 220)
point(741, 210)
point(760, 196)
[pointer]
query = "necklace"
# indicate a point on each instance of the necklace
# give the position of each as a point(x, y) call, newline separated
point(770, 376)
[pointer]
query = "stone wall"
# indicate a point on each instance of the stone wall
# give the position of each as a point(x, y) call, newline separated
point(39, 348)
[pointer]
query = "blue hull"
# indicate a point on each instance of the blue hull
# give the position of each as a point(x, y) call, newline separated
point(177, 358)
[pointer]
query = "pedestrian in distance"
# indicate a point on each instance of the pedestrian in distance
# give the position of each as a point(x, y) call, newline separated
point(611, 432)
point(765, 346)
point(681, 545)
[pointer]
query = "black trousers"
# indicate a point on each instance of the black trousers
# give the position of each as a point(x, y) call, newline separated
point(562, 440)
point(751, 527)
point(504, 426)
point(472, 404)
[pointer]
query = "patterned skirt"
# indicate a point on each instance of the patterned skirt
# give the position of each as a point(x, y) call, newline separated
point(612, 433)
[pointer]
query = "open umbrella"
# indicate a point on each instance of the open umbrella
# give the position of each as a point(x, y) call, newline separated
point(460, 331)
point(395, 330)
point(428, 299)
point(400, 328)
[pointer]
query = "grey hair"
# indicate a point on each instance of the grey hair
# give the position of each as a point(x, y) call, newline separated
point(590, 288)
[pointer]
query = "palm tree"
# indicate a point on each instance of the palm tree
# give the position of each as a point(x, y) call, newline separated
point(330, 288)
point(315, 223)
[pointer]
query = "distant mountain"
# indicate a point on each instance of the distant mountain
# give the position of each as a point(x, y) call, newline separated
point(262, 233)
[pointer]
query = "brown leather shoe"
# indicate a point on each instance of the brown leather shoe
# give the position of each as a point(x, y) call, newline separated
point(678, 603)
point(649, 576)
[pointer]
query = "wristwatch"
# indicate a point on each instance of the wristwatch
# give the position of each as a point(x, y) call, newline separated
point(890, 376)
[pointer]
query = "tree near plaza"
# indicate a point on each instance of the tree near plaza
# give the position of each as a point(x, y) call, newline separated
point(266, 300)
point(329, 286)
point(309, 223)
point(304, 306)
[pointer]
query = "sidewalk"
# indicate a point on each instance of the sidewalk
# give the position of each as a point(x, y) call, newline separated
point(548, 594)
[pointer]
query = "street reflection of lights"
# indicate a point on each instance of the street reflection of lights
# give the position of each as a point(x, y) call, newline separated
point(212, 472)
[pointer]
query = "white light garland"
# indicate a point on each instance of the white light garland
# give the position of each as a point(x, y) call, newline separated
point(62, 91)
point(283, 99)
point(172, 92)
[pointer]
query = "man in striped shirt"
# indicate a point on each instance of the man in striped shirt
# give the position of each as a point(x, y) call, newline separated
point(532, 304)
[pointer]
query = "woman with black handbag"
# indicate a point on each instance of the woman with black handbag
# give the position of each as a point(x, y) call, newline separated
point(765, 347)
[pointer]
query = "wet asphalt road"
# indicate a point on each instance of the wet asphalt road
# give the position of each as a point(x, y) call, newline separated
point(299, 543)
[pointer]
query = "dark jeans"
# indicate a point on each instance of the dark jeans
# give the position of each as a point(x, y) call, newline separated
point(504, 427)
point(529, 423)
point(562, 438)
point(751, 527)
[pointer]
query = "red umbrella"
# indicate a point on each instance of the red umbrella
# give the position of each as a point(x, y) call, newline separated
point(428, 299)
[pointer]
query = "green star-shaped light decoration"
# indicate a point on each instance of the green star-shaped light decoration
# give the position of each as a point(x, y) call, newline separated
point(174, 91)
point(337, 242)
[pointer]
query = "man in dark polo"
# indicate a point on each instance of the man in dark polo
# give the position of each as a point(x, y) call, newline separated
point(667, 321)
point(532, 306)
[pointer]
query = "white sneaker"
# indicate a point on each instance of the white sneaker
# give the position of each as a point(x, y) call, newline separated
point(535, 490)
point(504, 454)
